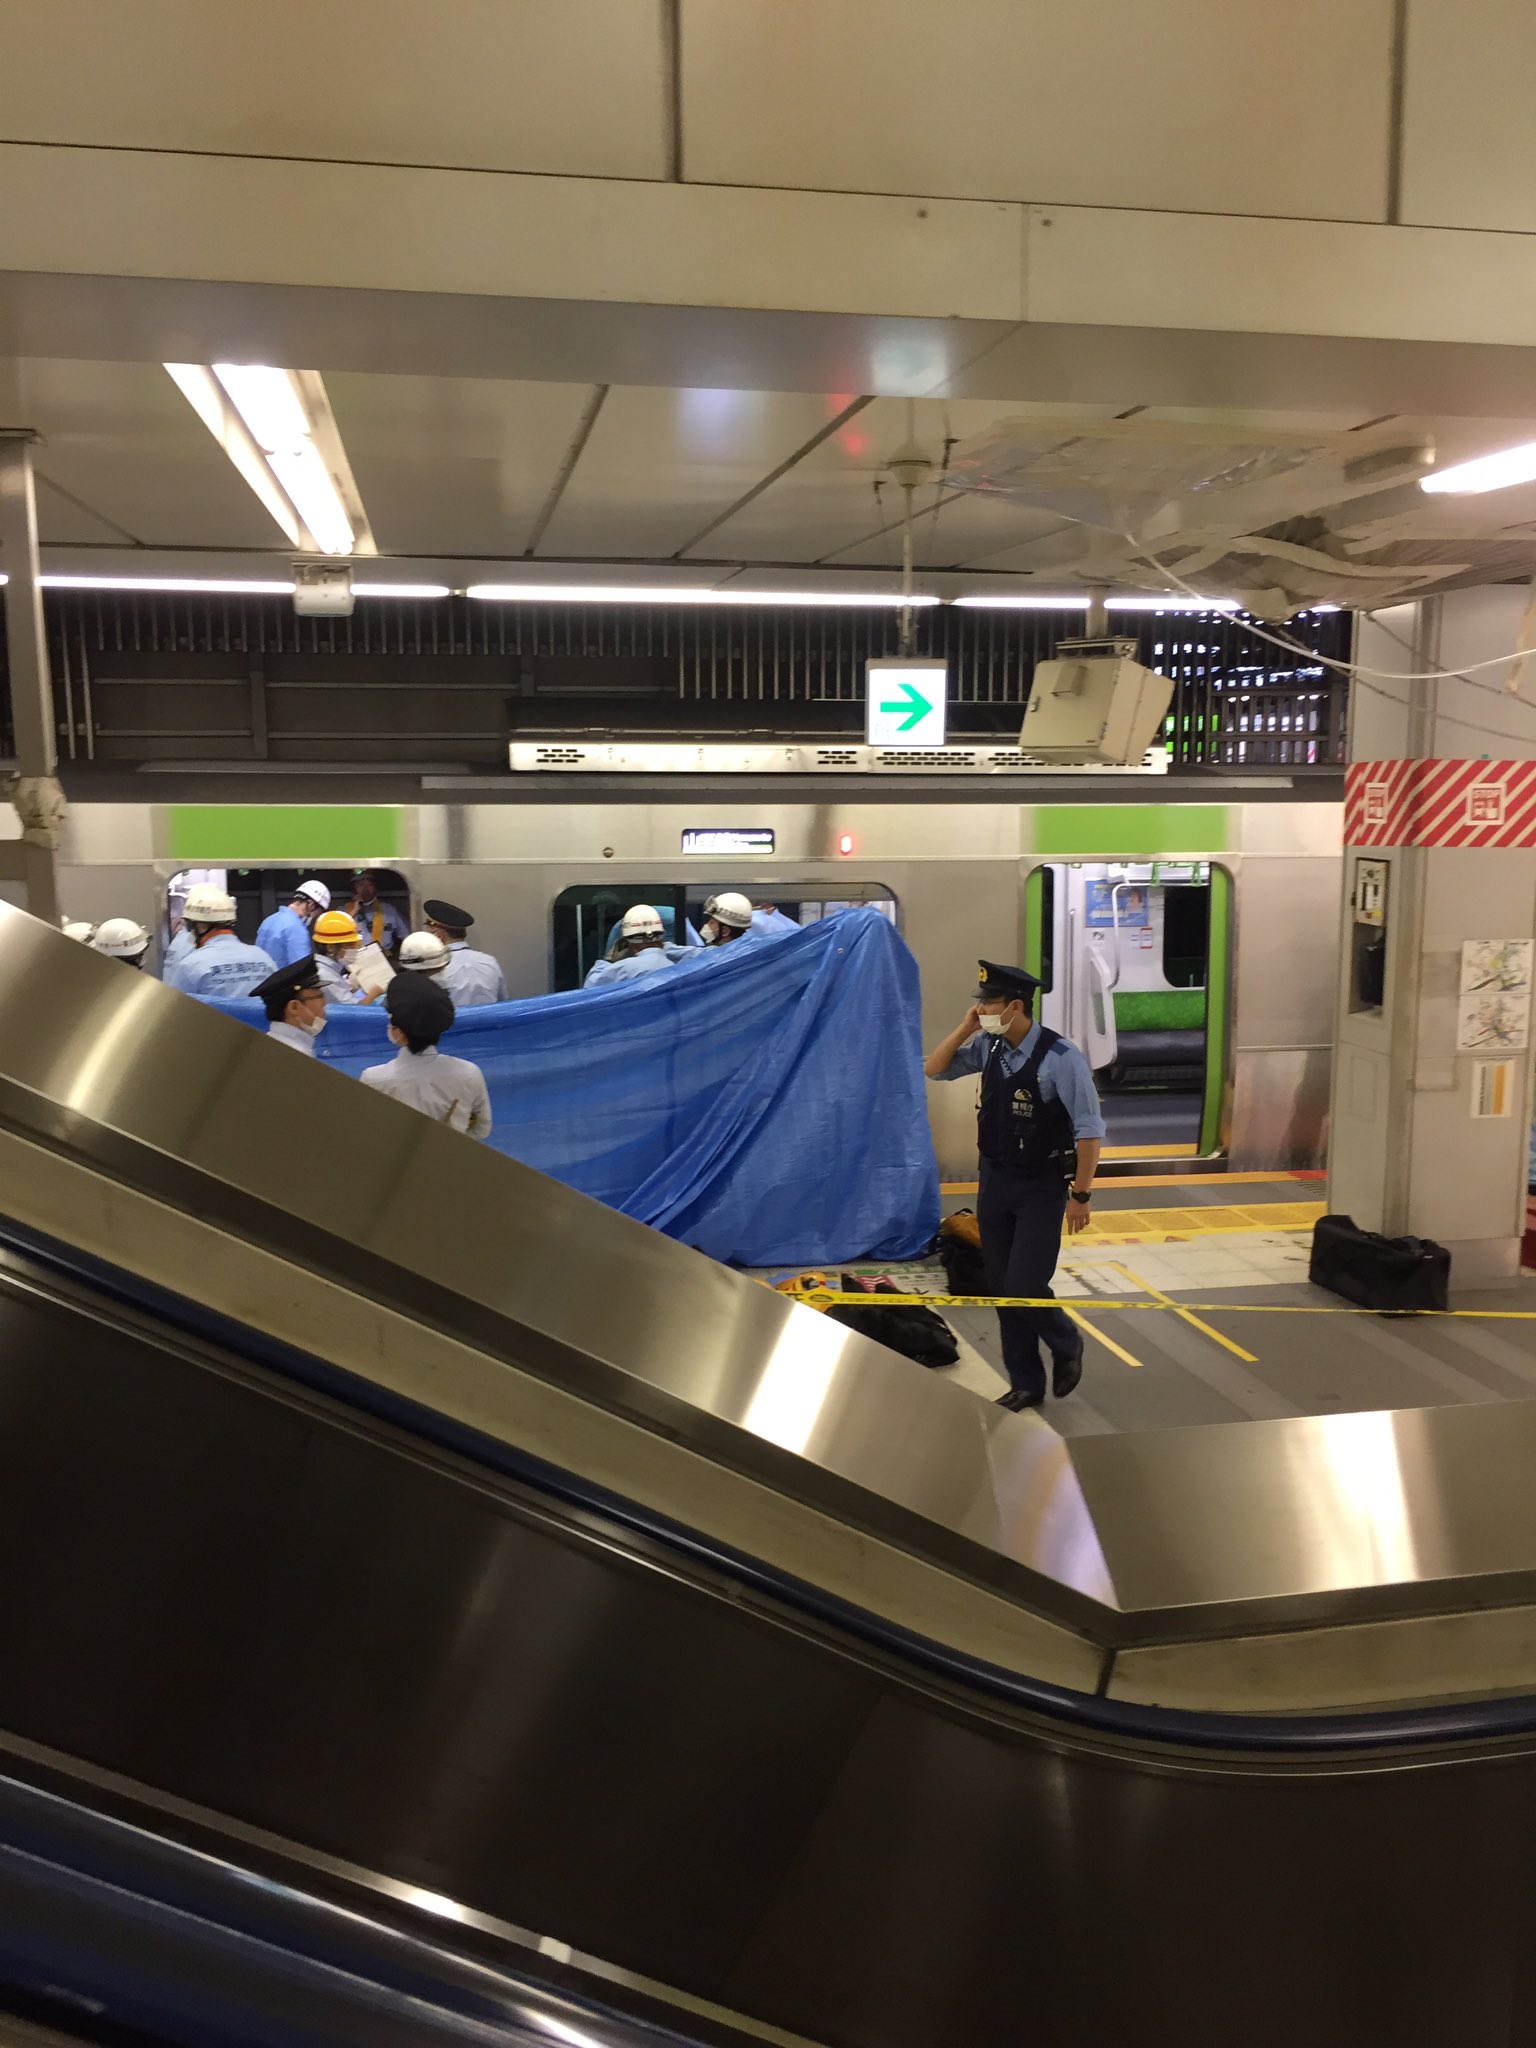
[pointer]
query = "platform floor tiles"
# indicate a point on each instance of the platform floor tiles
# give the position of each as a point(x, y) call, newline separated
point(1241, 1243)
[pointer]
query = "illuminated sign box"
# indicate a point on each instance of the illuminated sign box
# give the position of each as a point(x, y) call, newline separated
point(728, 839)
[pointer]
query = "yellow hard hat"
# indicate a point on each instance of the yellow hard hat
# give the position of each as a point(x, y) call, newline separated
point(336, 928)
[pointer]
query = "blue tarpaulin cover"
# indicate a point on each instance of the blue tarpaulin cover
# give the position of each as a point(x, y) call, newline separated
point(763, 1101)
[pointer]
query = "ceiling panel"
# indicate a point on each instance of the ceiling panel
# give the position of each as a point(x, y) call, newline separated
point(826, 507)
point(661, 465)
point(121, 439)
point(454, 465)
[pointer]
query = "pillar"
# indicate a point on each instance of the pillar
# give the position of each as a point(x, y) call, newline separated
point(35, 790)
point(1432, 1084)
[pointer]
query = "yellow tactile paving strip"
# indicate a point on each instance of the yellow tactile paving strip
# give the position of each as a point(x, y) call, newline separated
point(1215, 1219)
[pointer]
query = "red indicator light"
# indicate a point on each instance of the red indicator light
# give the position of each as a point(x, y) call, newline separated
point(845, 843)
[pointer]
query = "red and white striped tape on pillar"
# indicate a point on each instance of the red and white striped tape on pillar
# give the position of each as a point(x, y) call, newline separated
point(1440, 803)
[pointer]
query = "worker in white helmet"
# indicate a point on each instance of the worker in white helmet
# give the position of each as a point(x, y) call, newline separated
point(77, 929)
point(639, 948)
point(122, 938)
point(220, 964)
point(727, 919)
point(286, 934)
point(424, 953)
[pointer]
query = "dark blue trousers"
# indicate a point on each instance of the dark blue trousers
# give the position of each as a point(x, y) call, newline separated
point(1020, 1217)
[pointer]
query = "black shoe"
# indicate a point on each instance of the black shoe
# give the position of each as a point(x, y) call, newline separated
point(1067, 1370)
point(1019, 1398)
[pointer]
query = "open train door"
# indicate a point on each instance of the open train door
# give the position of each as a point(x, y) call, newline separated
point(1133, 957)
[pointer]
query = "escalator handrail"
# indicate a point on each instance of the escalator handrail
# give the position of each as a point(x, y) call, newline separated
point(1432, 1725)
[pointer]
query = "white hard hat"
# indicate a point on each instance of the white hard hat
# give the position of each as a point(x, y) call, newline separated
point(317, 892)
point(641, 921)
point(120, 938)
point(74, 928)
point(731, 909)
point(207, 905)
point(425, 952)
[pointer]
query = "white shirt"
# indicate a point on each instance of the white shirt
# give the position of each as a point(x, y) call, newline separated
point(450, 1091)
point(290, 1034)
point(336, 982)
point(472, 977)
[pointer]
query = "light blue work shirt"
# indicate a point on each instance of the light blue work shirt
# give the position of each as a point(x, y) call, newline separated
point(772, 923)
point(609, 973)
point(178, 950)
point(285, 937)
point(222, 966)
point(392, 928)
point(1065, 1076)
point(472, 977)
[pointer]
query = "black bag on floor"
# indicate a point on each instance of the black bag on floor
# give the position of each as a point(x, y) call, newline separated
point(1379, 1272)
point(915, 1332)
point(964, 1267)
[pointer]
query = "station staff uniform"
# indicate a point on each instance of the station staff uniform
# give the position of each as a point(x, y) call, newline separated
point(450, 1091)
point(470, 977)
point(1037, 1099)
point(380, 923)
point(293, 983)
point(221, 966)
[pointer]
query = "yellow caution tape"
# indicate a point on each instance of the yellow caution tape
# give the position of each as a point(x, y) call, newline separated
point(824, 1298)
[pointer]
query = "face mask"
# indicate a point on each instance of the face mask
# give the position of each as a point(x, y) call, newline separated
point(993, 1026)
point(711, 934)
point(315, 1025)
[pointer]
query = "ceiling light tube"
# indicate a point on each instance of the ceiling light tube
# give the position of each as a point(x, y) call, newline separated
point(269, 403)
point(401, 590)
point(1486, 472)
point(661, 593)
point(203, 393)
point(207, 586)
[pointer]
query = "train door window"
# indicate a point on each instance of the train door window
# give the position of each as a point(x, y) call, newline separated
point(260, 891)
point(586, 917)
point(1130, 948)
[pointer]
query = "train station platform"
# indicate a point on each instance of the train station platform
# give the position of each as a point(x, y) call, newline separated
point(1261, 1344)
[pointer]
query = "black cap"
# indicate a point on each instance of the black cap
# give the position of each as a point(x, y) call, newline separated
point(419, 1006)
point(279, 990)
point(448, 914)
point(1011, 984)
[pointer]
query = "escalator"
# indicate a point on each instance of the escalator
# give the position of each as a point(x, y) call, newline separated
point(425, 1587)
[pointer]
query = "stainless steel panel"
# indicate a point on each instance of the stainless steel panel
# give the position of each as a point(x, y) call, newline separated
point(1280, 1109)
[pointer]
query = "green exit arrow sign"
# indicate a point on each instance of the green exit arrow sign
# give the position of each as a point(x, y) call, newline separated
point(904, 703)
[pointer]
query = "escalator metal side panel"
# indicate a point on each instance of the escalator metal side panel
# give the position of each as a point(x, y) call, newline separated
point(239, 1598)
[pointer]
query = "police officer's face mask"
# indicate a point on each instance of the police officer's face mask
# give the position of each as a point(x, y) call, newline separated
point(994, 1022)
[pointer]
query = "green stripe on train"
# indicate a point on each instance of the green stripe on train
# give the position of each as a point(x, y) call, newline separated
point(1120, 831)
point(237, 835)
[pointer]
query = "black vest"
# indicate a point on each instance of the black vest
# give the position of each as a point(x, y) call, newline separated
point(1016, 1125)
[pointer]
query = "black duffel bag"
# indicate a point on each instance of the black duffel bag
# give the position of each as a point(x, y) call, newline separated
point(1385, 1273)
point(917, 1333)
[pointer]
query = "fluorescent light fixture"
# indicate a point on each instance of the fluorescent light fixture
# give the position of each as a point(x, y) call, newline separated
point(661, 593)
point(268, 401)
point(201, 389)
point(207, 586)
point(401, 590)
point(1033, 602)
point(1486, 473)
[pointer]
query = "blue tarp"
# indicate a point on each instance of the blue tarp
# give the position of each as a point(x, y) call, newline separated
point(763, 1102)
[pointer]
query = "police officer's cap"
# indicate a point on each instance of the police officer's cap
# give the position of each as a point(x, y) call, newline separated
point(1008, 984)
point(448, 914)
point(280, 989)
point(419, 1006)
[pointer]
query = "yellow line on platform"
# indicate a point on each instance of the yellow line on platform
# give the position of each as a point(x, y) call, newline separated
point(829, 1298)
point(1164, 1180)
point(1108, 1342)
point(1186, 1315)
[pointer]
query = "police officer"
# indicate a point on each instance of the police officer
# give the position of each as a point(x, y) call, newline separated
point(450, 1091)
point(220, 964)
point(294, 1001)
point(469, 977)
point(285, 934)
point(1037, 1101)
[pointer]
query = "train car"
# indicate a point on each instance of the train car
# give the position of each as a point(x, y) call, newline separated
point(1190, 946)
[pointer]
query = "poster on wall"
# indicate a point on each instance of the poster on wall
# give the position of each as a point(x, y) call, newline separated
point(1495, 1006)
point(1100, 909)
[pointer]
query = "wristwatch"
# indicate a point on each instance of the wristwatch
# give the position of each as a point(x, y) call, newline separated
point(1080, 1198)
